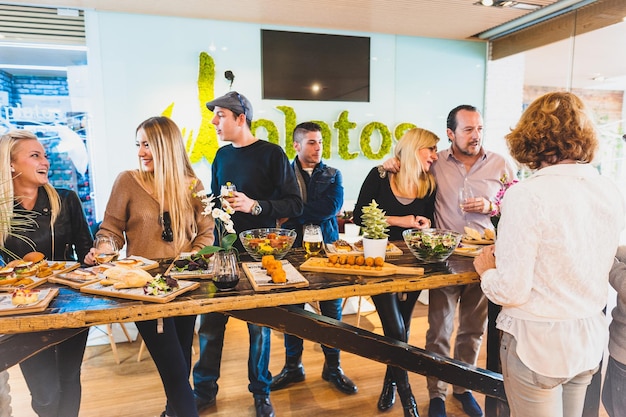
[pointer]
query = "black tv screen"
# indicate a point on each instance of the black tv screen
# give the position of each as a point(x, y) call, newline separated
point(313, 66)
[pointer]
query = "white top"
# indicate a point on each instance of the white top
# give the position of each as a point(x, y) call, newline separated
point(556, 243)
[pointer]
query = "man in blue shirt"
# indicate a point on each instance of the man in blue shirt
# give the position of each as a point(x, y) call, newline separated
point(322, 194)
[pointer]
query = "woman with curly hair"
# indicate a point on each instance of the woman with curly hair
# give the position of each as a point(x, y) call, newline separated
point(549, 269)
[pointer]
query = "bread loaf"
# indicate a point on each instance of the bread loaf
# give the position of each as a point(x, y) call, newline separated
point(124, 277)
point(472, 233)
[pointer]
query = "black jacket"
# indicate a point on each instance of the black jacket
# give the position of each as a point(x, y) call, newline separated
point(72, 237)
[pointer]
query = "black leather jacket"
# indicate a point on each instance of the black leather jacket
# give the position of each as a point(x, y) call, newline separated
point(72, 237)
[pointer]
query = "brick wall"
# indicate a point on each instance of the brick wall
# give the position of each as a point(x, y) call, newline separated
point(18, 86)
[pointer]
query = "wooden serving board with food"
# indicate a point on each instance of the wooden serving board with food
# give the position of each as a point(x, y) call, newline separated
point(262, 281)
point(8, 307)
point(342, 247)
point(79, 277)
point(470, 241)
point(35, 276)
point(475, 237)
point(191, 266)
point(324, 265)
point(468, 250)
point(137, 262)
point(138, 293)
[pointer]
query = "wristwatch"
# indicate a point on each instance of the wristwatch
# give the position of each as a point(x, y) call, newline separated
point(256, 209)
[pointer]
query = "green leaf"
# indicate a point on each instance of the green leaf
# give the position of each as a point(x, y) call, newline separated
point(228, 240)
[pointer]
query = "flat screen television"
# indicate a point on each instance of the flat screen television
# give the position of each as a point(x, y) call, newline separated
point(314, 66)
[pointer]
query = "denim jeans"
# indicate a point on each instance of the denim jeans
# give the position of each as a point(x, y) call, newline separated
point(171, 353)
point(206, 371)
point(329, 308)
point(534, 395)
point(614, 390)
point(53, 377)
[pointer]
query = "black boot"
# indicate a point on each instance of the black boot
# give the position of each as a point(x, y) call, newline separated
point(388, 394)
point(292, 372)
point(408, 402)
point(333, 373)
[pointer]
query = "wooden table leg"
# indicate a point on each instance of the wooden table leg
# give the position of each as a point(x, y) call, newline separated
point(14, 348)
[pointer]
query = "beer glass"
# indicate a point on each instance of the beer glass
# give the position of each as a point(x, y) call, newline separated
point(312, 239)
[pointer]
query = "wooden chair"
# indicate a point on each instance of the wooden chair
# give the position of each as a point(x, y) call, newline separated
point(112, 339)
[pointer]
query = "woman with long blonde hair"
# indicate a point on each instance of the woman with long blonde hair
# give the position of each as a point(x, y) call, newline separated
point(155, 211)
point(55, 226)
point(408, 199)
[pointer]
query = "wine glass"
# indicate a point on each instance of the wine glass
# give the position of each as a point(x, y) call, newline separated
point(312, 239)
point(465, 193)
point(106, 249)
point(226, 270)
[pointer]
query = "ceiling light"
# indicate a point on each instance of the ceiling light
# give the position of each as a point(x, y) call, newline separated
point(508, 3)
point(33, 67)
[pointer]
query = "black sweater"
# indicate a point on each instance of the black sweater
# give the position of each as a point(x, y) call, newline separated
point(262, 172)
point(376, 188)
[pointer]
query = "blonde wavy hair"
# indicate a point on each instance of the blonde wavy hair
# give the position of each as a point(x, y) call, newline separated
point(413, 180)
point(9, 143)
point(555, 127)
point(173, 174)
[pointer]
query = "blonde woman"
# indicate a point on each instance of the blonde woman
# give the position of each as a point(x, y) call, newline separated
point(408, 198)
point(61, 233)
point(156, 213)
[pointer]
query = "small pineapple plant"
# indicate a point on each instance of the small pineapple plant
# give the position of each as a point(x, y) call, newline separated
point(374, 224)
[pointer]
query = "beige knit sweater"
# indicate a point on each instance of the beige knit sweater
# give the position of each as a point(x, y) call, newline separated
point(132, 217)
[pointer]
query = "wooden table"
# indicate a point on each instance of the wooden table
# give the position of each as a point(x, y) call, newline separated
point(73, 310)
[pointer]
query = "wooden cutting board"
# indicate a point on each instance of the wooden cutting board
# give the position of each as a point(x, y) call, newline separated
point(137, 293)
point(483, 241)
point(260, 281)
point(69, 266)
point(392, 250)
point(321, 265)
point(8, 309)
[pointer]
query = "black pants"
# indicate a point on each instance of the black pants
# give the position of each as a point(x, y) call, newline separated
point(395, 311)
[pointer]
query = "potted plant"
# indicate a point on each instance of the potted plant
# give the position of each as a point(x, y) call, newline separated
point(375, 229)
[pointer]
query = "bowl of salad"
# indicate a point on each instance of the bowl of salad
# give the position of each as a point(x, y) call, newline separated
point(267, 241)
point(431, 245)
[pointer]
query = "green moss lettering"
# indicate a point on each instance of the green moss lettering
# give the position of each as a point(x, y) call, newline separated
point(366, 136)
point(290, 125)
point(343, 125)
point(401, 129)
point(270, 128)
point(205, 144)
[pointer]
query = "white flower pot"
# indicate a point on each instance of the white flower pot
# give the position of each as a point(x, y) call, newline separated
point(374, 247)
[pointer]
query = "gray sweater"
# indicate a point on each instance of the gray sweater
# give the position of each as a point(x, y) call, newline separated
point(617, 329)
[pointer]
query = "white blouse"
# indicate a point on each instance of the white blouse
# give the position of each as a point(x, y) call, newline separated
point(556, 242)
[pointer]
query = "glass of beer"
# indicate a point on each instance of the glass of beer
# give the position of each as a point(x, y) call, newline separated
point(106, 249)
point(312, 239)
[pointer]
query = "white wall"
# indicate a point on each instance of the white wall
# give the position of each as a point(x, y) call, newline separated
point(141, 64)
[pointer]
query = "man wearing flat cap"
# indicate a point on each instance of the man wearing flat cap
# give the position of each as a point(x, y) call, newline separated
point(267, 190)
